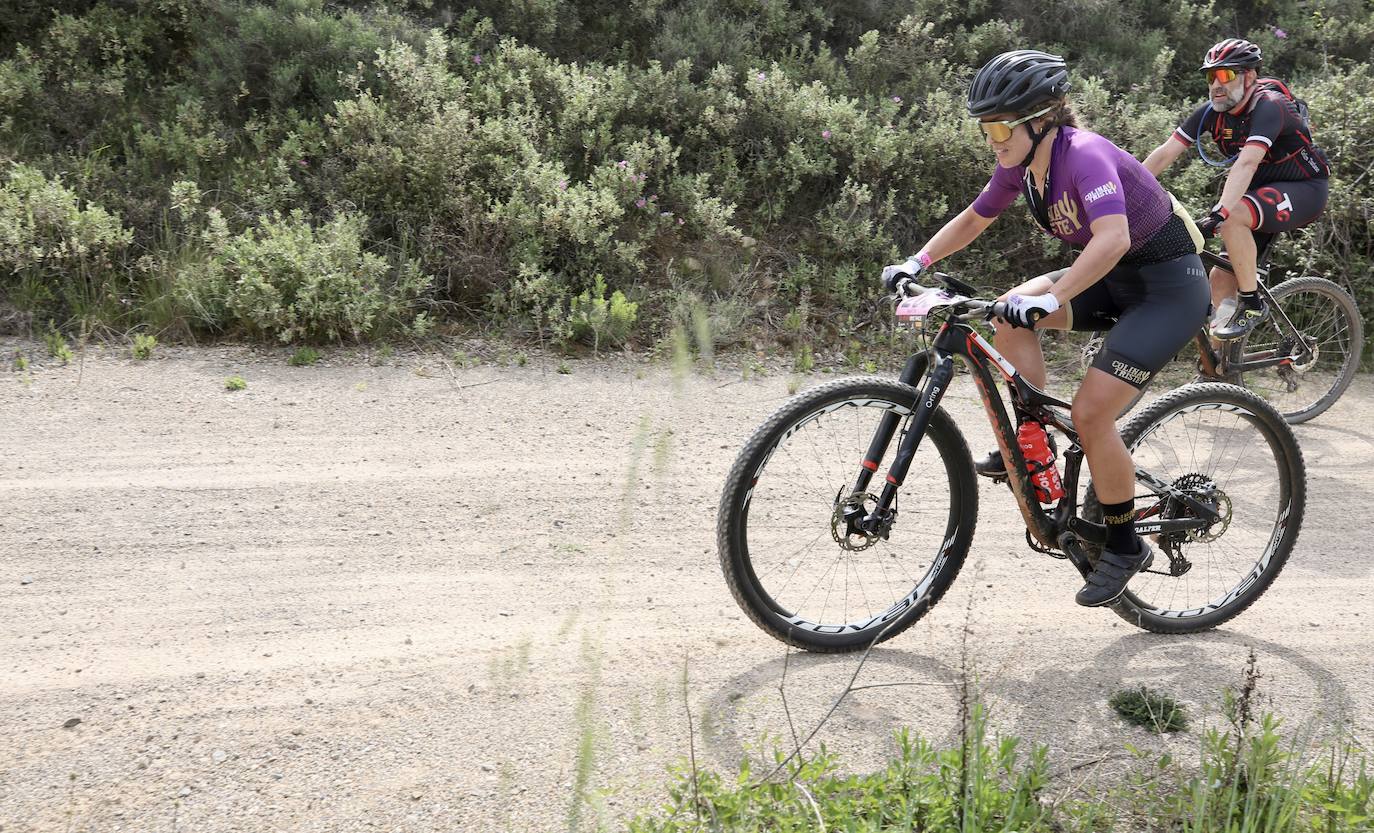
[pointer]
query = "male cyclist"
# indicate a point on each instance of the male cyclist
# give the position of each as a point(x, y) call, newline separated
point(1278, 174)
point(1137, 274)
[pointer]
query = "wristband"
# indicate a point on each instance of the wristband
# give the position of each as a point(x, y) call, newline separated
point(923, 258)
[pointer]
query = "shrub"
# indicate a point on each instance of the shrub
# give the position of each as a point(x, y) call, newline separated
point(55, 253)
point(596, 320)
point(289, 280)
point(143, 345)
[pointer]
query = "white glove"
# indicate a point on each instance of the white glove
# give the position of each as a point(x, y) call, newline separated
point(910, 268)
point(1026, 310)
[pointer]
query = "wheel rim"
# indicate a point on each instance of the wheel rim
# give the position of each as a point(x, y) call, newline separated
point(1316, 366)
point(799, 562)
point(1223, 447)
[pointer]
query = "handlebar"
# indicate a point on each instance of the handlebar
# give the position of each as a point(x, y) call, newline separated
point(974, 307)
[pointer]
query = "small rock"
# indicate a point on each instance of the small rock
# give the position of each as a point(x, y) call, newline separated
point(503, 613)
point(219, 756)
point(416, 796)
point(70, 722)
point(488, 768)
point(185, 791)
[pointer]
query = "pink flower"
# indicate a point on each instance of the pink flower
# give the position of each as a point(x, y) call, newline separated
point(641, 202)
point(622, 164)
point(896, 99)
point(477, 59)
point(1279, 33)
point(763, 77)
point(562, 185)
point(303, 163)
point(825, 134)
point(680, 221)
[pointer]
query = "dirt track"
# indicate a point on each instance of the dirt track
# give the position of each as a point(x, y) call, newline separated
point(402, 597)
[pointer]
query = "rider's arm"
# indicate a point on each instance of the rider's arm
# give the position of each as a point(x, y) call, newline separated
point(1165, 155)
point(956, 234)
point(1183, 137)
point(1111, 238)
point(1242, 171)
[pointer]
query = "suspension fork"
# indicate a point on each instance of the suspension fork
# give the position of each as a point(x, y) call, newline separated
point(937, 383)
point(887, 426)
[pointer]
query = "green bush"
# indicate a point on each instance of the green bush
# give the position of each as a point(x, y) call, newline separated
point(597, 321)
point(514, 153)
point(291, 281)
point(56, 254)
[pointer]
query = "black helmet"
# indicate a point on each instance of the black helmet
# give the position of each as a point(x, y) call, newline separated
point(1232, 52)
point(1015, 81)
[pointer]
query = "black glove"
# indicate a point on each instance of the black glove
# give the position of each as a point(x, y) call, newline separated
point(1210, 222)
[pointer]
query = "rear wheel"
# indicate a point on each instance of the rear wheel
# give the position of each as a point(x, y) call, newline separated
point(1318, 358)
point(788, 556)
point(1230, 450)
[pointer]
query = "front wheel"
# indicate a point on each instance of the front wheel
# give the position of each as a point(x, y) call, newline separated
point(1226, 448)
point(791, 562)
point(1311, 363)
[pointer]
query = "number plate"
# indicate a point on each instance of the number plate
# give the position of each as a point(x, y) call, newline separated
point(911, 311)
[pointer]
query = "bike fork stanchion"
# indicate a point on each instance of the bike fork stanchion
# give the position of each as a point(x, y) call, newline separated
point(887, 426)
point(936, 385)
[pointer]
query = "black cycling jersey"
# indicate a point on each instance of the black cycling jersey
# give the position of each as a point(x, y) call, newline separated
point(1272, 121)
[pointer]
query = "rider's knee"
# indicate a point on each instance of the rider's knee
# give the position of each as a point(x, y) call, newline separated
point(1092, 416)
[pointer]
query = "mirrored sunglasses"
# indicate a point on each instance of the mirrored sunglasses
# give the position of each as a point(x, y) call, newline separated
point(1000, 131)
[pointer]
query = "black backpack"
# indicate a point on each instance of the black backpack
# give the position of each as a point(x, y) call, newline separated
point(1274, 85)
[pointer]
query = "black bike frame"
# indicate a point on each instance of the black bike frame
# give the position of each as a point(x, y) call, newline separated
point(1058, 528)
point(1223, 366)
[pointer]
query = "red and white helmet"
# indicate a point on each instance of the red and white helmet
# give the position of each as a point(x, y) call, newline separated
point(1232, 52)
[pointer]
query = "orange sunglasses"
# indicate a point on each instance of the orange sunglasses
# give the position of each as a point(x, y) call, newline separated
point(1223, 74)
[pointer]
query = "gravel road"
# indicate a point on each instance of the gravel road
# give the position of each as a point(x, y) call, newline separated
point(389, 593)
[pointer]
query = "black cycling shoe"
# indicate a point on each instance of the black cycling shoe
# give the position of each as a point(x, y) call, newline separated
point(1242, 322)
point(991, 465)
point(1108, 579)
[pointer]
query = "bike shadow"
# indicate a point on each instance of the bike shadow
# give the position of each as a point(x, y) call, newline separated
point(1062, 703)
point(1197, 669)
point(746, 718)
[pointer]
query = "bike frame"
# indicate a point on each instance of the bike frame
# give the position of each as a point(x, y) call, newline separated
point(1224, 364)
point(1057, 528)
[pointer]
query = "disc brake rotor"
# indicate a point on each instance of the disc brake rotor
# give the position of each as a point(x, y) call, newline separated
point(852, 540)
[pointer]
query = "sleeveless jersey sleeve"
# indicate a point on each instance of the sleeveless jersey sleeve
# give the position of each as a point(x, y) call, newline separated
point(1001, 191)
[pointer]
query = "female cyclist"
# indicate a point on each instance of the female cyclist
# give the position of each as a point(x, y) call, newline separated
point(1136, 275)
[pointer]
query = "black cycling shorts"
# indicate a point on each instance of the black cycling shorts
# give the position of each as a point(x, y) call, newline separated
point(1284, 206)
point(1149, 312)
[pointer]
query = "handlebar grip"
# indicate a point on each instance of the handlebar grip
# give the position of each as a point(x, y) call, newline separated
point(999, 310)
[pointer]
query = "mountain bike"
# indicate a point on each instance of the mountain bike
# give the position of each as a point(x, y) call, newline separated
point(825, 555)
point(1301, 358)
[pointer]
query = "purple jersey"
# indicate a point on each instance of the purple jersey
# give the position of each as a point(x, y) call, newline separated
point(1089, 178)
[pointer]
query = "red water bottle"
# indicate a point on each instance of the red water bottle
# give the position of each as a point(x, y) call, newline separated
point(1044, 474)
